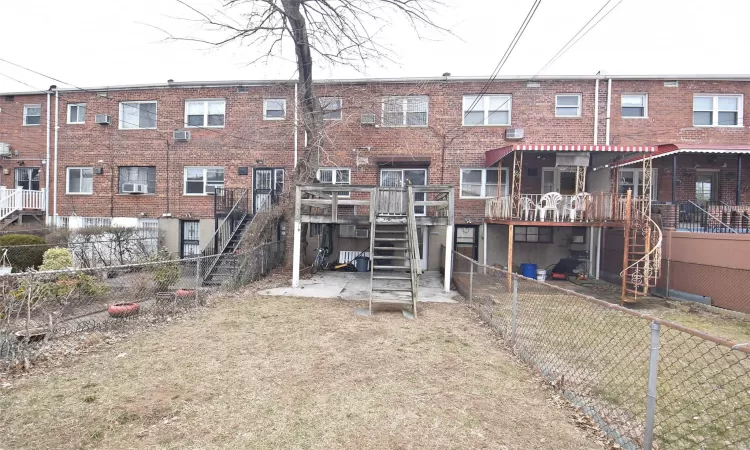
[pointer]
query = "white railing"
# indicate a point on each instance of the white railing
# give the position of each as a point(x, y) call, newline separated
point(595, 207)
point(12, 200)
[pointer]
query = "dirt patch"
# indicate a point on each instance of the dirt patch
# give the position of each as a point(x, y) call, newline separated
point(264, 372)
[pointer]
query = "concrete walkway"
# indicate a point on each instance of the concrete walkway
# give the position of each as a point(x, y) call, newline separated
point(356, 286)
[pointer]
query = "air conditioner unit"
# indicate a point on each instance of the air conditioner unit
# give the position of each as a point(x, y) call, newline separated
point(4, 149)
point(103, 119)
point(514, 133)
point(181, 135)
point(368, 119)
point(133, 188)
point(362, 233)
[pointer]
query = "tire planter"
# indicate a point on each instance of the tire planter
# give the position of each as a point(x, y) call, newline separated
point(185, 293)
point(35, 334)
point(120, 310)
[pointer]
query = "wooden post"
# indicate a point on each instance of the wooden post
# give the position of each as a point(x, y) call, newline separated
point(626, 247)
point(500, 179)
point(647, 263)
point(511, 203)
point(510, 257)
point(297, 249)
point(334, 207)
point(449, 242)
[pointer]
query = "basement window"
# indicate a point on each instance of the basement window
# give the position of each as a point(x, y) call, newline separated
point(542, 235)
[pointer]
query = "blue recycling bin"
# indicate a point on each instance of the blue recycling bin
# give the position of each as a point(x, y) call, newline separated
point(528, 270)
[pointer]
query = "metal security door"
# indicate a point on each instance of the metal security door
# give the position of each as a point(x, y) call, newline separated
point(189, 238)
point(267, 186)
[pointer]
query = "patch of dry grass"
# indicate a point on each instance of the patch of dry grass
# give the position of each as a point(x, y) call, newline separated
point(269, 372)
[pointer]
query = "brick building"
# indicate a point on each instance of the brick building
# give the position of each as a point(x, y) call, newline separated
point(430, 130)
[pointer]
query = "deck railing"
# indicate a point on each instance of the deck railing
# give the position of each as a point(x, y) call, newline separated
point(596, 207)
point(12, 200)
point(713, 217)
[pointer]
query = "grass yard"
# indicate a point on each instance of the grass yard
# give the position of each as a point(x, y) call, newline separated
point(270, 372)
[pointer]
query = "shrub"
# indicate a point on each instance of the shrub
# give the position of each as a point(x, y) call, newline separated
point(165, 273)
point(57, 259)
point(24, 250)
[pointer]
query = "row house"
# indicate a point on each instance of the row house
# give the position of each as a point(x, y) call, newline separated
point(154, 155)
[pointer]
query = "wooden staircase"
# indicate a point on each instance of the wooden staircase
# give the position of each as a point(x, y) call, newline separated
point(394, 261)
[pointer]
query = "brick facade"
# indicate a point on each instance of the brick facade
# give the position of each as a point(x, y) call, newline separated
point(443, 146)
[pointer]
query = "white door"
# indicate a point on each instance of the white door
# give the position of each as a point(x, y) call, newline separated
point(395, 203)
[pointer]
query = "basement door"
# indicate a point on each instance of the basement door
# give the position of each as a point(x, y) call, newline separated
point(189, 238)
point(267, 187)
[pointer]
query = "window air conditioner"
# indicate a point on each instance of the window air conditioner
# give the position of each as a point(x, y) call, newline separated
point(133, 188)
point(4, 149)
point(362, 233)
point(103, 119)
point(181, 135)
point(347, 231)
point(514, 133)
point(368, 119)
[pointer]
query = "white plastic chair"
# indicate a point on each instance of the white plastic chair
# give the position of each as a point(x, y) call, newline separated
point(526, 208)
point(577, 204)
point(549, 202)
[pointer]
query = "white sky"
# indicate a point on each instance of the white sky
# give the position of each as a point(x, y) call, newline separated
point(96, 43)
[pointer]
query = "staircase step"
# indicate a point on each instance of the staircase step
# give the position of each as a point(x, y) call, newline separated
point(389, 277)
point(391, 239)
point(392, 301)
point(391, 289)
point(390, 231)
point(389, 257)
point(391, 248)
point(389, 267)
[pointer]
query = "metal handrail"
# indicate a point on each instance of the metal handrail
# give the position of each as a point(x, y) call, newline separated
point(651, 261)
point(224, 232)
point(712, 216)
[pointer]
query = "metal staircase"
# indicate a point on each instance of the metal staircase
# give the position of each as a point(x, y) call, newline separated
point(642, 250)
point(394, 259)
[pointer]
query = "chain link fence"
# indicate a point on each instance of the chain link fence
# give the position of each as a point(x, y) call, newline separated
point(646, 382)
point(44, 313)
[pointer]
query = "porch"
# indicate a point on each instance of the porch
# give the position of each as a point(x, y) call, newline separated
point(14, 202)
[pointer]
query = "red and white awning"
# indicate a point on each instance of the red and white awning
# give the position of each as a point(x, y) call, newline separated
point(491, 157)
point(672, 149)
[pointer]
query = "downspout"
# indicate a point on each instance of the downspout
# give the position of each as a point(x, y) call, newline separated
point(296, 126)
point(57, 128)
point(596, 112)
point(47, 166)
point(609, 107)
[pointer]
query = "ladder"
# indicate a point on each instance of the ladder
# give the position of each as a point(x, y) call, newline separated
point(394, 260)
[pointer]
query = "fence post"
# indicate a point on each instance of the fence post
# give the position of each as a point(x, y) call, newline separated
point(198, 281)
point(514, 311)
point(471, 281)
point(653, 372)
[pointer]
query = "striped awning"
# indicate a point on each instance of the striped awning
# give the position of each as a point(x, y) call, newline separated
point(672, 149)
point(491, 157)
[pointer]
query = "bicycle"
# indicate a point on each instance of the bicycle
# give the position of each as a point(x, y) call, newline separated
point(321, 259)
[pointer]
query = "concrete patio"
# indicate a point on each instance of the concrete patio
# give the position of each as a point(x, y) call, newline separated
point(356, 286)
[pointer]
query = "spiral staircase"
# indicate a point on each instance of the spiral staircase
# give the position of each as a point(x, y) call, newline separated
point(642, 258)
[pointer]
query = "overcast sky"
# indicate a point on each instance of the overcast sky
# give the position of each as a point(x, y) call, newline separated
point(97, 43)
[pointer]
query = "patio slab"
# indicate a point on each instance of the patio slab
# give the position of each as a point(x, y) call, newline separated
point(356, 286)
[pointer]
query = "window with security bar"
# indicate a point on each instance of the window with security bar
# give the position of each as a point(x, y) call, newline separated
point(406, 111)
point(332, 175)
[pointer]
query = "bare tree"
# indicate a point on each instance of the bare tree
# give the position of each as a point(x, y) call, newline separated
point(337, 32)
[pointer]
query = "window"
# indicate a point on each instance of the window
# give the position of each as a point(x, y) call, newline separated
point(80, 180)
point(335, 176)
point(409, 111)
point(205, 113)
point(274, 109)
point(331, 108)
point(634, 105)
point(203, 180)
point(32, 114)
point(137, 115)
point(717, 110)
point(633, 179)
point(532, 234)
point(486, 110)
point(480, 183)
point(568, 105)
point(138, 175)
point(77, 113)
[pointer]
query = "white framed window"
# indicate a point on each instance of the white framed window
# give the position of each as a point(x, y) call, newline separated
point(717, 110)
point(568, 105)
point(634, 106)
point(334, 175)
point(32, 114)
point(482, 183)
point(203, 180)
point(633, 179)
point(138, 115)
point(76, 113)
point(491, 109)
point(80, 180)
point(137, 175)
point(407, 111)
point(331, 107)
point(274, 109)
point(205, 113)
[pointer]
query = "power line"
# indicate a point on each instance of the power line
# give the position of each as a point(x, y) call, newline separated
point(575, 38)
